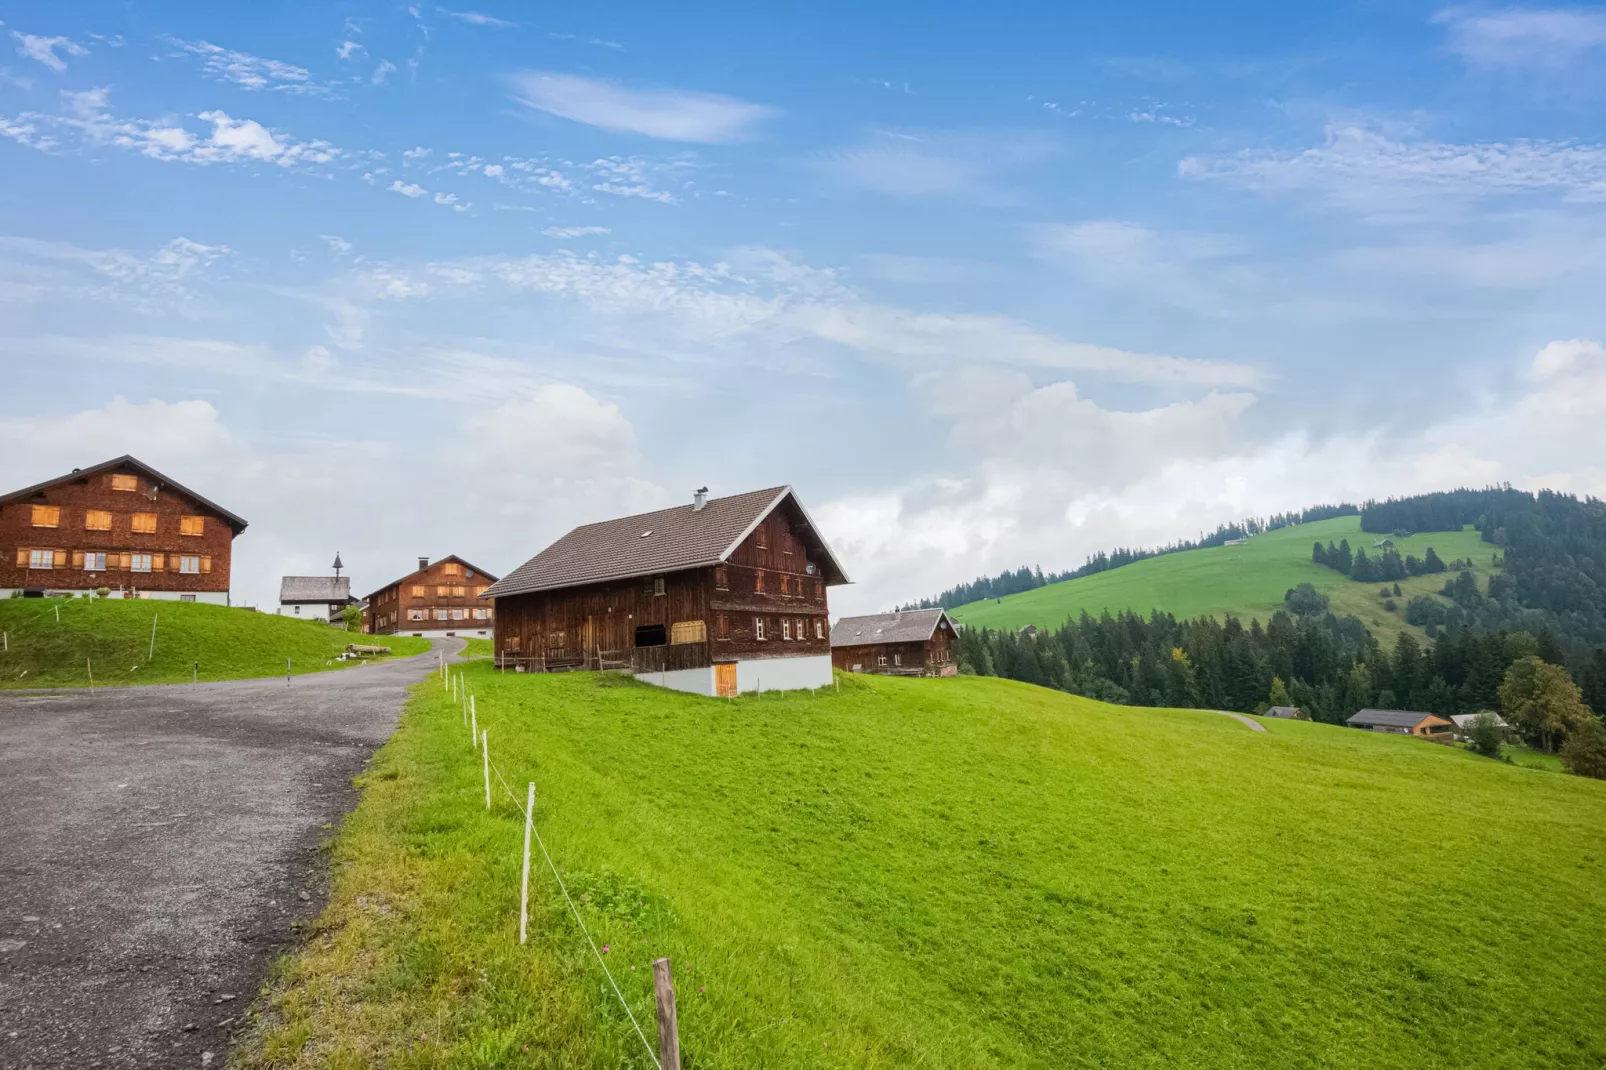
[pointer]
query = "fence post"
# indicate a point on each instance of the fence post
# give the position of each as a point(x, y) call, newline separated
point(485, 752)
point(286, 672)
point(524, 889)
point(474, 729)
point(473, 707)
point(668, 1029)
point(152, 652)
point(195, 674)
point(90, 669)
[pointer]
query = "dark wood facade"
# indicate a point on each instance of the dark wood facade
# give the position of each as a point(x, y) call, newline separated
point(120, 525)
point(933, 657)
point(438, 596)
point(768, 601)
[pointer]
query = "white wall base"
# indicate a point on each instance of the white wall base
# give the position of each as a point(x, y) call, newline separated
point(697, 681)
point(215, 598)
point(756, 674)
point(442, 633)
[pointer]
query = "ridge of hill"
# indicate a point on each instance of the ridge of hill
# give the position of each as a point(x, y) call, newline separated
point(966, 872)
point(58, 642)
point(1247, 580)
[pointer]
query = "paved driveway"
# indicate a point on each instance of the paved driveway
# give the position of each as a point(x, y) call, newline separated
point(158, 846)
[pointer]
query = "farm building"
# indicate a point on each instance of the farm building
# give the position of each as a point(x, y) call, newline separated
point(1403, 722)
point(721, 596)
point(436, 599)
point(1463, 723)
point(1289, 713)
point(315, 597)
point(917, 642)
point(121, 525)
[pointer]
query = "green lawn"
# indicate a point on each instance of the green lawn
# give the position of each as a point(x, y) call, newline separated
point(1530, 758)
point(948, 873)
point(57, 642)
point(1248, 580)
point(478, 648)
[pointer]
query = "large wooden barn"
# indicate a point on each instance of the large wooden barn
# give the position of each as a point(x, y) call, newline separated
point(917, 642)
point(721, 596)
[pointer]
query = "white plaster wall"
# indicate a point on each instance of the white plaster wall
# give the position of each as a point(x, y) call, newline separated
point(697, 681)
point(216, 598)
point(783, 674)
point(441, 633)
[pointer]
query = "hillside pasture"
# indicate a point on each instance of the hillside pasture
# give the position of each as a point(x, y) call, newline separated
point(947, 873)
point(58, 642)
point(1247, 581)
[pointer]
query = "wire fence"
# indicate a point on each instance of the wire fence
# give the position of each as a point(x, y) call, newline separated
point(668, 1055)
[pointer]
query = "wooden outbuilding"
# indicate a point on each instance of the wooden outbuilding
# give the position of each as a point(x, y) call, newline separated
point(1401, 722)
point(721, 596)
point(121, 525)
point(437, 599)
point(917, 642)
point(1288, 713)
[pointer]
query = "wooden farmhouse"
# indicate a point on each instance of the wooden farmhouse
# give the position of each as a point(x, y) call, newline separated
point(917, 642)
point(1403, 722)
point(120, 525)
point(721, 596)
point(435, 600)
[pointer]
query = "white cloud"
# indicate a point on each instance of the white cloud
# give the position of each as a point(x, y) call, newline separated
point(1523, 37)
point(1364, 167)
point(935, 163)
point(574, 232)
point(337, 245)
point(347, 49)
point(475, 18)
point(250, 72)
point(383, 72)
point(44, 49)
point(669, 114)
point(1190, 269)
point(407, 189)
point(150, 282)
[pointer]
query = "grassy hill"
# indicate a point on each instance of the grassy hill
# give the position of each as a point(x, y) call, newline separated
point(1248, 580)
point(948, 873)
point(49, 640)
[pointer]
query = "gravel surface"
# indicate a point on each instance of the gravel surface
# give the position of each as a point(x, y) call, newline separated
point(160, 845)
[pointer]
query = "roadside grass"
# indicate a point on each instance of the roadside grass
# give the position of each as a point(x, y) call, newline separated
point(114, 636)
point(1247, 581)
point(947, 873)
point(1531, 758)
point(478, 648)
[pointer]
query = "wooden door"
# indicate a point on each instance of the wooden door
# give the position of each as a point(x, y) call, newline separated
point(725, 680)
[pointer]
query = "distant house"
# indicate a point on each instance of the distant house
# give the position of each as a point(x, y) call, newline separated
point(322, 598)
point(1030, 631)
point(119, 524)
point(1463, 723)
point(434, 600)
point(917, 642)
point(1290, 713)
point(1239, 541)
point(1383, 544)
point(716, 597)
point(1401, 722)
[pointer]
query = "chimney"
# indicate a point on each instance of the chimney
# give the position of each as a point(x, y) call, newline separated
point(699, 499)
point(423, 563)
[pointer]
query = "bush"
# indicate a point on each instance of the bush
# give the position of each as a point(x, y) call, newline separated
point(1584, 753)
point(1484, 734)
point(1305, 601)
point(1390, 605)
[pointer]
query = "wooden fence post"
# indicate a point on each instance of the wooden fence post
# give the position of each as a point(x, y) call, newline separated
point(668, 1029)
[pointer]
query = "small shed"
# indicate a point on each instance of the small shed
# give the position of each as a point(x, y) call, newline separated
point(918, 642)
point(1288, 713)
point(322, 598)
point(1401, 722)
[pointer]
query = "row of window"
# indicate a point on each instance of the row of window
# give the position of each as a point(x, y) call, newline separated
point(786, 629)
point(98, 561)
point(49, 516)
point(790, 585)
point(445, 590)
point(449, 614)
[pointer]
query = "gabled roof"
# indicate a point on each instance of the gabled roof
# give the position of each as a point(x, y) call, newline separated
point(318, 589)
point(129, 461)
point(1464, 720)
point(1393, 718)
point(467, 565)
point(909, 626)
point(667, 540)
point(1293, 712)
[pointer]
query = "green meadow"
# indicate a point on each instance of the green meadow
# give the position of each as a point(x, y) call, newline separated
point(1247, 581)
point(946, 873)
point(60, 642)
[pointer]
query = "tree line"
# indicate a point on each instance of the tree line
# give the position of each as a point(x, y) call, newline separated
point(1387, 567)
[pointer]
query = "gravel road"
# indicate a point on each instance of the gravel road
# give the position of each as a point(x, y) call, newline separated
point(160, 845)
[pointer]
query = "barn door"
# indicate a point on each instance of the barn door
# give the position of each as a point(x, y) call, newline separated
point(725, 680)
point(588, 639)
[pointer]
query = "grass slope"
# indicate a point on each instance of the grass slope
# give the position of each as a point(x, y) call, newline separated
point(954, 873)
point(115, 635)
point(1248, 580)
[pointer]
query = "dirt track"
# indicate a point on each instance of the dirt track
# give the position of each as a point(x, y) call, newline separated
point(160, 845)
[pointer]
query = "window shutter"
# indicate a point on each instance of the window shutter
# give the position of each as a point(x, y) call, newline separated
point(22, 558)
point(77, 559)
point(156, 562)
point(206, 563)
point(123, 561)
point(61, 558)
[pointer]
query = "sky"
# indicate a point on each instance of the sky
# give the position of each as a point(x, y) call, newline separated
point(988, 285)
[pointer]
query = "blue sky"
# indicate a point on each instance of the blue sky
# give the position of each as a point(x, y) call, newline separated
point(988, 287)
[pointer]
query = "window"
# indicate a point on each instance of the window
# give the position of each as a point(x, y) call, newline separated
point(786, 627)
point(457, 614)
point(722, 626)
point(657, 585)
point(192, 525)
point(41, 558)
point(46, 516)
point(479, 614)
point(94, 562)
point(125, 482)
point(479, 591)
point(802, 629)
point(440, 614)
point(144, 523)
point(819, 591)
point(819, 629)
point(786, 542)
point(189, 564)
point(762, 539)
point(688, 631)
point(651, 635)
point(415, 614)
point(881, 659)
point(786, 584)
point(186, 598)
point(97, 520)
point(420, 591)
point(451, 568)
point(758, 627)
point(897, 659)
point(142, 563)
point(296, 610)
point(758, 581)
point(722, 579)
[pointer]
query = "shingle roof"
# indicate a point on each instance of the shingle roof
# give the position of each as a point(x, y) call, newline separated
point(1287, 711)
point(1391, 718)
point(328, 589)
point(235, 522)
point(664, 541)
point(1464, 720)
point(910, 626)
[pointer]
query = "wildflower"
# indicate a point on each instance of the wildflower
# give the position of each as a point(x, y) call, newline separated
point(702, 988)
point(604, 949)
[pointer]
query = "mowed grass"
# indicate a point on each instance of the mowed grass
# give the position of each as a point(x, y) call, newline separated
point(58, 642)
point(948, 873)
point(478, 648)
point(1247, 581)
